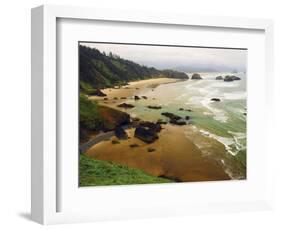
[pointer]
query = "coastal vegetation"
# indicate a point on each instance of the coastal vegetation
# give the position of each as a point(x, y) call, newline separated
point(97, 172)
point(100, 70)
point(95, 117)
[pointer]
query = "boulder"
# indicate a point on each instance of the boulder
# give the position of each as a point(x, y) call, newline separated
point(134, 145)
point(177, 122)
point(215, 99)
point(123, 98)
point(146, 134)
point(153, 126)
point(171, 116)
point(161, 122)
point(126, 106)
point(181, 109)
point(219, 78)
point(137, 97)
point(196, 76)
point(154, 107)
point(150, 150)
point(229, 78)
point(187, 118)
point(98, 93)
point(144, 97)
point(120, 133)
point(114, 142)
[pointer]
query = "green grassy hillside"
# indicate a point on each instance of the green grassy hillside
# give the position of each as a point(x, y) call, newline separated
point(96, 172)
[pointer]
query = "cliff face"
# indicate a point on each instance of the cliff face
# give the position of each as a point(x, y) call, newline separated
point(99, 70)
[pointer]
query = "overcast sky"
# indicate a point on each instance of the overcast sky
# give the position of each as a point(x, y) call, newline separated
point(178, 58)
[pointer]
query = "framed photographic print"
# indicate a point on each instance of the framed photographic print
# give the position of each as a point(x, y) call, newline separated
point(140, 114)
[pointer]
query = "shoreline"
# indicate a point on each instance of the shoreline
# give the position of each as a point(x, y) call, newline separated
point(126, 92)
point(175, 155)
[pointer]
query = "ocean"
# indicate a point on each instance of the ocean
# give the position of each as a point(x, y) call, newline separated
point(217, 128)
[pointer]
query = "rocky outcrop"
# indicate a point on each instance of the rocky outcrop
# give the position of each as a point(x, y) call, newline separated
point(153, 126)
point(177, 122)
point(126, 106)
point(154, 107)
point(120, 133)
point(215, 99)
point(230, 78)
point(161, 122)
point(114, 142)
point(187, 118)
point(171, 116)
point(147, 131)
point(146, 134)
point(196, 76)
point(98, 93)
point(219, 78)
point(112, 118)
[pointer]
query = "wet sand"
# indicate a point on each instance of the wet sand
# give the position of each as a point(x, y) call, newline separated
point(174, 157)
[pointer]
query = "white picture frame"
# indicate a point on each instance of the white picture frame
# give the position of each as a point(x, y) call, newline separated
point(45, 182)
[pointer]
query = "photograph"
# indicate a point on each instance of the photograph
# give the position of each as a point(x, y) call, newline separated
point(156, 113)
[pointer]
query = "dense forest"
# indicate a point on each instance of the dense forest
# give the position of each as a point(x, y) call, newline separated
point(100, 70)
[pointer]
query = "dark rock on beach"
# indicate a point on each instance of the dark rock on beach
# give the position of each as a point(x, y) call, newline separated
point(150, 150)
point(153, 126)
point(187, 118)
point(144, 97)
point(114, 142)
point(98, 93)
point(154, 107)
point(146, 134)
point(161, 122)
point(126, 106)
point(216, 99)
point(171, 116)
point(219, 78)
point(120, 133)
point(134, 145)
point(181, 109)
point(137, 97)
point(196, 76)
point(177, 122)
point(230, 78)
point(123, 98)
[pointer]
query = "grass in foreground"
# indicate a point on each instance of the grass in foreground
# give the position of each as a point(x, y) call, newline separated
point(96, 172)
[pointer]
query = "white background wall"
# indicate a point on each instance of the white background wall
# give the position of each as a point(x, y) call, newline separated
point(15, 113)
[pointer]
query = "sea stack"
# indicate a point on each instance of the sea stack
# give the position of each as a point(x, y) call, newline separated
point(196, 76)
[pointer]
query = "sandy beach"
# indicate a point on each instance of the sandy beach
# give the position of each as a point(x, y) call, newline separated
point(173, 156)
point(181, 160)
point(130, 90)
